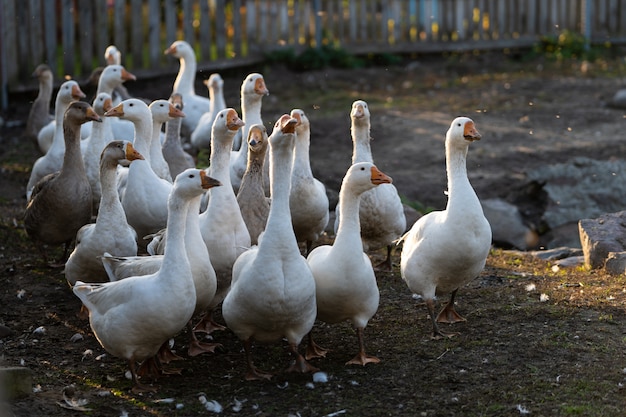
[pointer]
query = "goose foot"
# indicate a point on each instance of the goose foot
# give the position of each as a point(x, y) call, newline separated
point(313, 350)
point(197, 348)
point(362, 358)
point(252, 373)
point(165, 354)
point(448, 314)
point(300, 364)
point(386, 265)
point(208, 325)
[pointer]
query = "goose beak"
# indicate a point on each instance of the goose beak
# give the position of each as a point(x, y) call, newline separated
point(170, 51)
point(77, 93)
point(358, 112)
point(208, 182)
point(378, 177)
point(92, 115)
point(296, 115)
point(127, 75)
point(233, 122)
point(107, 105)
point(260, 88)
point(117, 111)
point(131, 153)
point(175, 111)
point(470, 133)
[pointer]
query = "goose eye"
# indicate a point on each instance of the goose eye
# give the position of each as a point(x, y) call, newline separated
point(459, 124)
point(222, 116)
point(191, 175)
point(362, 168)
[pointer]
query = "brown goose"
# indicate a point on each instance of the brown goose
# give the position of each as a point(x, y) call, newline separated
point(177, 159)
point(60, 203)
point(40, 115)
point(254, 205)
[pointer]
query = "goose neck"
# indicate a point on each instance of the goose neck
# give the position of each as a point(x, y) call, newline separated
point(301, 159)
point(186, 76)
point(349, 229)
point(109, 200)
point(361, 150)
point(280, 185)
point(143, 137)
point(72, 159)
point(175, 254)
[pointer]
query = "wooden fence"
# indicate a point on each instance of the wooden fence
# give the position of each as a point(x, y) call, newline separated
point(71, 35)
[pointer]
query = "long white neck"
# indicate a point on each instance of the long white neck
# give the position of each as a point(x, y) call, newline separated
point(157, 160)
point(143, 135)
point(361, 150)
point(349, 230)
point(301, 159)
point(221, 144)
point(175, 262)
point(278, 226)
point(218, 103)
point(58, 143)
point(461, 195)
point(186, 76)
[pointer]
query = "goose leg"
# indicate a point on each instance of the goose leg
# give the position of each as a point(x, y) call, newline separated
point(313, 350)
point(437, 333)
point(252, 373)
point(362, 358)
point(300, 364)
point(197, 347)
point(386, 265)
point(138, 387)
point(448, 314)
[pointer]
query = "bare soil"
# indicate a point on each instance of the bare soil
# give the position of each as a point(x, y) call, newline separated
point(539, 339)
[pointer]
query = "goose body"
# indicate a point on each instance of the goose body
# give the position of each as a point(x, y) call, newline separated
point(111, 232)
point(273, 290)
point(446, 249)
point(253, 203)
point(53, 158)
point(61, 202)
point(195, 105)
point(223, 229)
point(201, 136)
point(39, 114)
point(308, 201)
point(145, 195)
point(381, 210)
point(253, 90)
point(345, 283)
point(133, 317)
point(177, 159)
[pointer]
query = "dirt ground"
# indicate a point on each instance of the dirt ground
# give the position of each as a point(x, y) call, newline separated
point(538, 340)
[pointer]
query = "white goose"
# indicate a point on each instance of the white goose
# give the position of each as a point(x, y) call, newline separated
point(39, 114)
point(253, 90)
point(382, 214)
point(223, 229)
point(254, 205)
point(110, 233)
point(145, 196)
point(92, 147)
point(273, 290)
point(120, 267)
point(308, 201)
point(177, 159)
point(162, 112)
point(195, 105)
point(53, 158)
point(201, 136)
point(132, 318)
point(446, 249)
point(345, 283)
point(113, 56)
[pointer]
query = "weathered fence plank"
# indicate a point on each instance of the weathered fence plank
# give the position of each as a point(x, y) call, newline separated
point(71, 35)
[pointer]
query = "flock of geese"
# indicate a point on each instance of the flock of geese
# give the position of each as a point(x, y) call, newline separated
point(229, 235)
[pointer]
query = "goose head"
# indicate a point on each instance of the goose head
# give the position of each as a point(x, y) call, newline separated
point(114, 75)
point(112, 55)
point(180, 49)
point(254, 85)
point(364, 176)
point(257, 138)
point(215, 81)
point(43, 73)
point(102, 103)
point(177, 100)
point(68, 92)
point(227, 120)
point(120, 152)
point(80, 112)
point(463, 129)
point(303, 121)
point(132, 109)
point(360, 113)
point(193, 182)
point(163, 111)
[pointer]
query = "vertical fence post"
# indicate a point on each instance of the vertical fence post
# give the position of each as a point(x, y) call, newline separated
point(586, 12)
point(4, 99)
point(317, 6)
